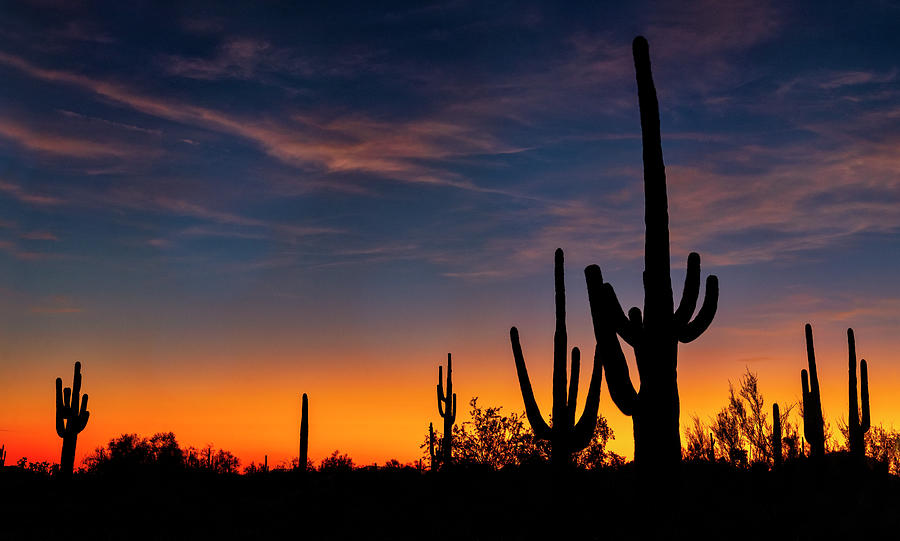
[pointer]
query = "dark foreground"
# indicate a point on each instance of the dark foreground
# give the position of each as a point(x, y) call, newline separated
point(709, 502)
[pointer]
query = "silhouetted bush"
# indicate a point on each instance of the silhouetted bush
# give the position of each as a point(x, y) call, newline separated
point(336, 463)
point(496, 440)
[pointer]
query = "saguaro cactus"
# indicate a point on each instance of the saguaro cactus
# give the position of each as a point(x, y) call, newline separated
point(813, 422)
point(304, 434)
point(2, 456)
point(856, 430)
point(431, 445)
point(447, 409)
point(565, 436)
point(776, 436)
point(655, 335)
point(70, 420)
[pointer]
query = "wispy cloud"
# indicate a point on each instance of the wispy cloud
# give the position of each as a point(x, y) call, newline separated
point(72, 147)
point(18, 192)
point(391, 150)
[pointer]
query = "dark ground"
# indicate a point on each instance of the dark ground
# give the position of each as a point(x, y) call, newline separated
point(710, 502)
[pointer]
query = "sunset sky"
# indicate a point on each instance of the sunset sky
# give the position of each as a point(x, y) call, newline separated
point(215, 211)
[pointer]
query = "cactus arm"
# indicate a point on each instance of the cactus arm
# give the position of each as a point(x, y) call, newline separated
point(449, 382)
point(573, 386)
point(621, 323)
point(538, 425)
point(807, 405)
point(440, 390)
point(60, 412)
point(695, 328)
point(560, 345)
point(601, 297)
point(584, 430)
point(83, 416)
point(76, 391)
point(691, 291)
point(453, 416)
point(864, 395)
point(811, 359)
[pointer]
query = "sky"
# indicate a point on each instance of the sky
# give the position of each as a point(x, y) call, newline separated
point(217, 209)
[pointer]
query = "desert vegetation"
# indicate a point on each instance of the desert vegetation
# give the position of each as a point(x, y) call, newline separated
point(498, 471)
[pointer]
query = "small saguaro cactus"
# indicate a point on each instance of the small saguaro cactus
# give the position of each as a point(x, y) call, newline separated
point(2, 456)
point(776, 436)
point(564, 434)
point(655, 334)
point(431, 445)
point(304, 434)
point(813, 423)
point(70, 420)
point(446, 402)
point(857, 429)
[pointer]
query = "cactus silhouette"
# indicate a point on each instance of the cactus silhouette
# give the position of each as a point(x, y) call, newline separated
point(655, 335)
point(431, 445)
point(70, 420)
point(813, 422)
point(564, 434)
point(304, 434)
point(776, 436)
point(856, 430)
point(446, 402)
point(2, 455)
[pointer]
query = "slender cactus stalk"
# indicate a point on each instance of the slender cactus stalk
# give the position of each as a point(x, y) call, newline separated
point(776, 436)
point(70, 420)
point(856, 429)
point(447, 409)
point(431, 446)
point(304, 434)
point(655, 335)
point(565, 435)
point(2, 455)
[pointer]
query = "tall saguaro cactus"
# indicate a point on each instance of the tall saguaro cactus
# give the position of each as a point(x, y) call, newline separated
point(656, 333)
point(70, 420)
point(446, 402)
point(813, 422)
point(304, 434)
point(857, 429)
point(565, 435)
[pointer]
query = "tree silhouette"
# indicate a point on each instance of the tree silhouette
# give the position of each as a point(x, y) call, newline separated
point(564, 434)
point(655, 335)
point(70, 420)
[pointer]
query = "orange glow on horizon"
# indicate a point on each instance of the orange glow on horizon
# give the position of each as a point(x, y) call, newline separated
point(376, 410)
